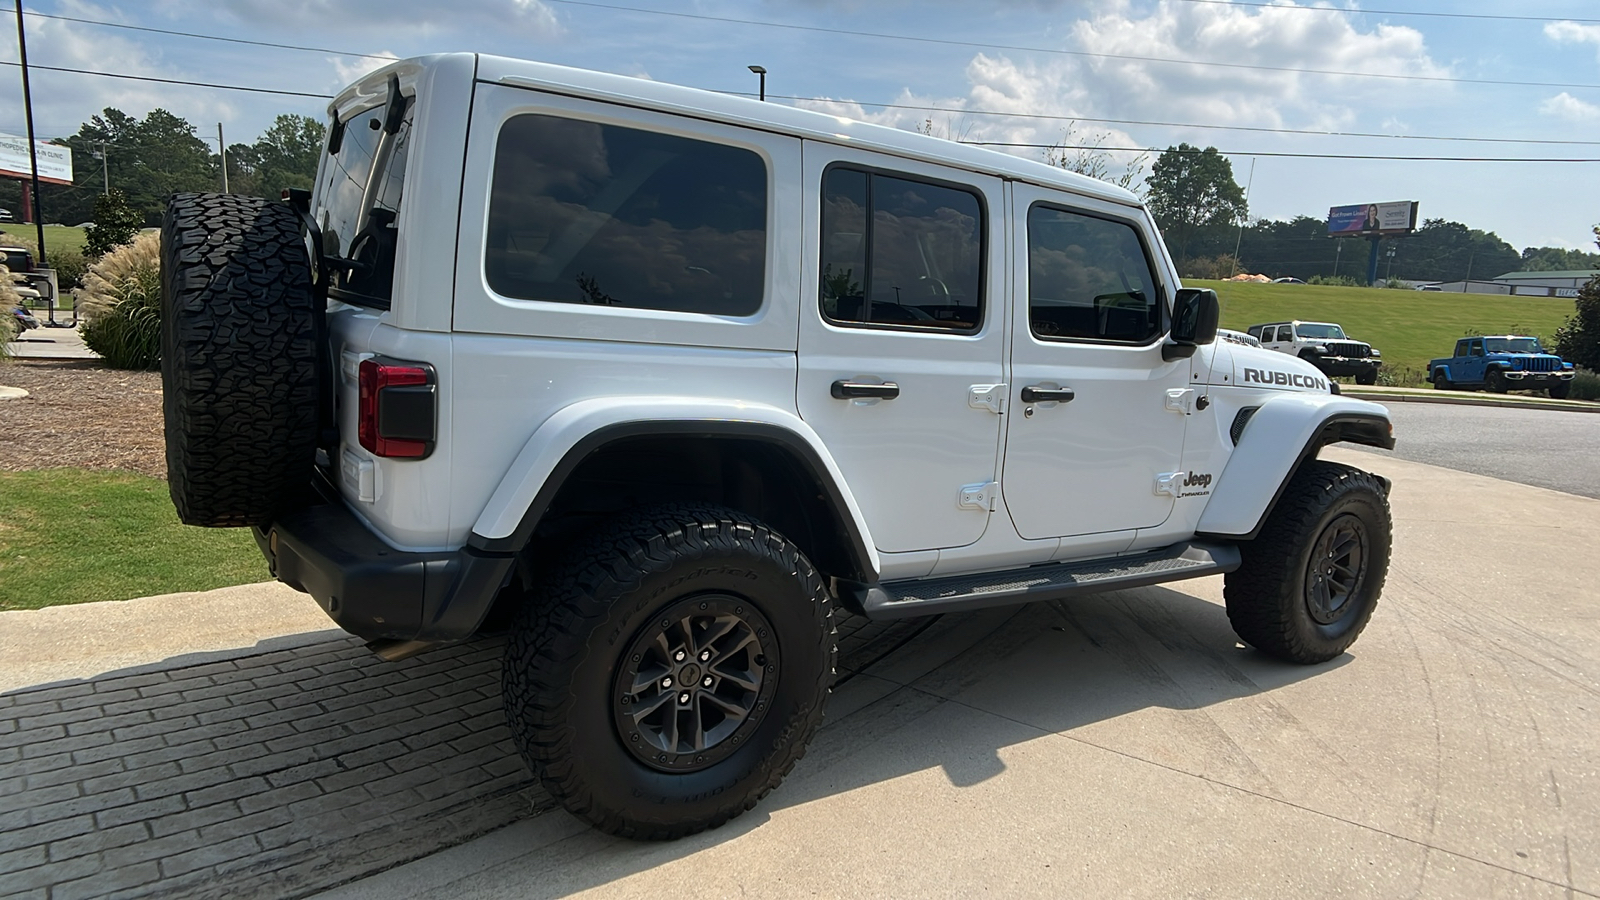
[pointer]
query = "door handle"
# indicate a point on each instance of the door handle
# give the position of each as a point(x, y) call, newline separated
point(1032, 394)
point(859, 390)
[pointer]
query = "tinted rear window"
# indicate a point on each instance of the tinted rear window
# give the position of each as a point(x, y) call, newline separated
point(581, 212)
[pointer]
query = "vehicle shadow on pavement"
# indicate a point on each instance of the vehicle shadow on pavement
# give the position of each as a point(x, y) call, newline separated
point(953, 700)
point(280, 773)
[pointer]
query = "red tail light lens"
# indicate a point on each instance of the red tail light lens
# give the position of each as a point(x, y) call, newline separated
point(396, 409)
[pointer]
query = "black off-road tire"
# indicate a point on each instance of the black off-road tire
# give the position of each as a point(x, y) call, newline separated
point(1368, 378)
point(1270, 596)
point(1495, 382)
point(1560, 391)
point(240, 337)
point(1441, 381)
point(569, 655)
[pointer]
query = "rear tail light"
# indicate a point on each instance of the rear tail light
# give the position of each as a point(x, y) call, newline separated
point(397, 408)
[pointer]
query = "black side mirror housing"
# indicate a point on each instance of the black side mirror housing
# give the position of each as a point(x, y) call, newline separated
point(1195, 313)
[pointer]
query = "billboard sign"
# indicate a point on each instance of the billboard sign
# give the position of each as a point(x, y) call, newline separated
point(55, 162)
point(1367, 219)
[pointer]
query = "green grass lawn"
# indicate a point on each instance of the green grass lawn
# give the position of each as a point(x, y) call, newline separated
point(72, 536)
point(55, 236)
point(1410, 327)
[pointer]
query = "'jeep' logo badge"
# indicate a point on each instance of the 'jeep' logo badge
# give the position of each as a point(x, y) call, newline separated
point(1194, 480)
point(1289, 379)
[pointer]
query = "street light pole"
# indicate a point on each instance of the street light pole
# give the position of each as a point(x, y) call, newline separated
point(760, 70)
point(33, 152)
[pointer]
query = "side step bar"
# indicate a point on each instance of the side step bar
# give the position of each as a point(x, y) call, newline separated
point(1052, 581)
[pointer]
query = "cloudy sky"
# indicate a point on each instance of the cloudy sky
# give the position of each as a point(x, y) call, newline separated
point(1283, 67)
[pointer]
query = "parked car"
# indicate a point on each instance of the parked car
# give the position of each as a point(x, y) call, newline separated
point(1287, 280)
point(5, 214)
point(1324, 345)
point(696, 370)
point(1500, 363)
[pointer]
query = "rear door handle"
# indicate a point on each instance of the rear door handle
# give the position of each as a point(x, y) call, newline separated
point(1033, 394)
point(858, 390)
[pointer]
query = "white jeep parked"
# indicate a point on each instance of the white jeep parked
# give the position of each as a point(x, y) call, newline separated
point(696, 371)
point(1324, 345)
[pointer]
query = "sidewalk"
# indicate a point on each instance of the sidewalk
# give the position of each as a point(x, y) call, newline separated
point(1122, 745)
point(52, 343)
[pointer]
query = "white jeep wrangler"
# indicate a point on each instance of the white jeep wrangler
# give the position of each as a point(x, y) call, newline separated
point(699, 369)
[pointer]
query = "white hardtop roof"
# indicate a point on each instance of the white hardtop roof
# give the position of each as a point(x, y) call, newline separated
point(773, 117)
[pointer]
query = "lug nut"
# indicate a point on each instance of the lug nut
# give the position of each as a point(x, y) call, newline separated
point(666, 682)
point(705, 655)
point(684, 698)
point(680, 656)
point(707, 682)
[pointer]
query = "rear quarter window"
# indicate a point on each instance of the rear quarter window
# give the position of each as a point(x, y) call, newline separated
point(586, 213)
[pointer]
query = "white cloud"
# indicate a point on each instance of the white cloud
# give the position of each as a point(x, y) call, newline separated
point(1574, 33)
point(389, 18)
point(349, 69)
point(1565, 106)
point(1101, 87)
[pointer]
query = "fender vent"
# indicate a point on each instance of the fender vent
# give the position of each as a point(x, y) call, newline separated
point(1239, 422)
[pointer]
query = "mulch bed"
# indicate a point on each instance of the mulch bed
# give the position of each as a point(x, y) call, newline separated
point(82, 415)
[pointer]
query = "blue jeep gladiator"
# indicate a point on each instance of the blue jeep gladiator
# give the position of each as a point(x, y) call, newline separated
point(1502, 363)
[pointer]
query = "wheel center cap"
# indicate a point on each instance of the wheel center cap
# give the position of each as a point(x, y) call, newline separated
point(688, 675)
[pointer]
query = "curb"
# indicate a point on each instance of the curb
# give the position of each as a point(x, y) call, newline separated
point(1469, 400)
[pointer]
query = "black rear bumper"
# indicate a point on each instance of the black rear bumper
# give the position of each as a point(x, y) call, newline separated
point(371, 589)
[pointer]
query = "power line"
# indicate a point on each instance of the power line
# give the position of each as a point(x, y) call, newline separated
point(1527, 159)
point(1083, 53)
point(1253, 128)
point(191, 34)
point(1396, 12)
point(176, 81)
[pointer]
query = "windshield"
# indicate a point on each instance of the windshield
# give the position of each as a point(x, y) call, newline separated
point(1512, 345)
point(357, 212)
point(1316, 332)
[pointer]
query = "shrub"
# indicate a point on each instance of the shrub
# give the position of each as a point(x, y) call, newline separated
point(1578, 340)
point(1336, 280)
point(1402, 376)
point(1214, 268)
point(115, 224)
point(1585, 386)
point(120, 305)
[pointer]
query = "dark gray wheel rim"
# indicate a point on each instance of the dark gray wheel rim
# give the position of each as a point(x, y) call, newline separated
point(1337, 570)
point(695, 683)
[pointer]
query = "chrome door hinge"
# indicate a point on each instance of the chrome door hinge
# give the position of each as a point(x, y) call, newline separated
point(1170, 483)
point(1178, 399)
point(987, 396)
point(979, 496)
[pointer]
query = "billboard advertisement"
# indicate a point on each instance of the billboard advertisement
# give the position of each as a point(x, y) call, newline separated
point(55, 162)
point(1366, 219)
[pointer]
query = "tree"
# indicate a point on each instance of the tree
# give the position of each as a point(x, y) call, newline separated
point(1578, 339)
point(1554, 259)
point(1086, 156)
point(1190, 188)
point(285, 156)
point(115, 223)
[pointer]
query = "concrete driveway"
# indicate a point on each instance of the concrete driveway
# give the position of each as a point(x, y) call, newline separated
point(1124, 745)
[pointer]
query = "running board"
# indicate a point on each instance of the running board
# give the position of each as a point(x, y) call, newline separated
point(1052, 581)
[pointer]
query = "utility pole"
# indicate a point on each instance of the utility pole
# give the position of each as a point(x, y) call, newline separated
point(1240, 242)
point(105, 166)
point(222, 151)
point(33, 152)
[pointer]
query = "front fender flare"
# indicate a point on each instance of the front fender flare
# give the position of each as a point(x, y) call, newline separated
point(1283, 433)
point(567, 438)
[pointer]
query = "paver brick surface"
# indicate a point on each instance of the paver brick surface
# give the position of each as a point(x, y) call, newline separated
point(271, 775)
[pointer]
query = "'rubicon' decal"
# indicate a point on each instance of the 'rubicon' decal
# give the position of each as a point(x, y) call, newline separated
point(1292, 379)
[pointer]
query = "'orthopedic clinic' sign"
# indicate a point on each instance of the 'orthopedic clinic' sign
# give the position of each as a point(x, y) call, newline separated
point(55, 162)
point(1365, 219)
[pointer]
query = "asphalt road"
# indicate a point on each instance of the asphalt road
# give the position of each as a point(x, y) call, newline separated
point(1545, 448)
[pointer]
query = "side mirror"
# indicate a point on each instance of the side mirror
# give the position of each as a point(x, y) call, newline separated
point(1194, 322)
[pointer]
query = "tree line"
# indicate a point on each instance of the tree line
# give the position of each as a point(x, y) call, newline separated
point(1199, 206)
point(149, 158)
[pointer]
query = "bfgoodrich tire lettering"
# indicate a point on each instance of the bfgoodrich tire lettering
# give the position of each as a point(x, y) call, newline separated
point(570, 669)
point(239, 345)
point(1309, 582)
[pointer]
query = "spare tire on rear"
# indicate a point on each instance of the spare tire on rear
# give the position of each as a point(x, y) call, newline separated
point(240, 332)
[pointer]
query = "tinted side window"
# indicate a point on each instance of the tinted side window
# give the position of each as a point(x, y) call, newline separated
point(900, 252)
point(1461, 348)
point(1089, 278)
point(581, 212)
point(358, 219)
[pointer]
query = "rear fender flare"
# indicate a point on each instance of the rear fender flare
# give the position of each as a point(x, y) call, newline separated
point(559, 445)
point(1285, 432)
